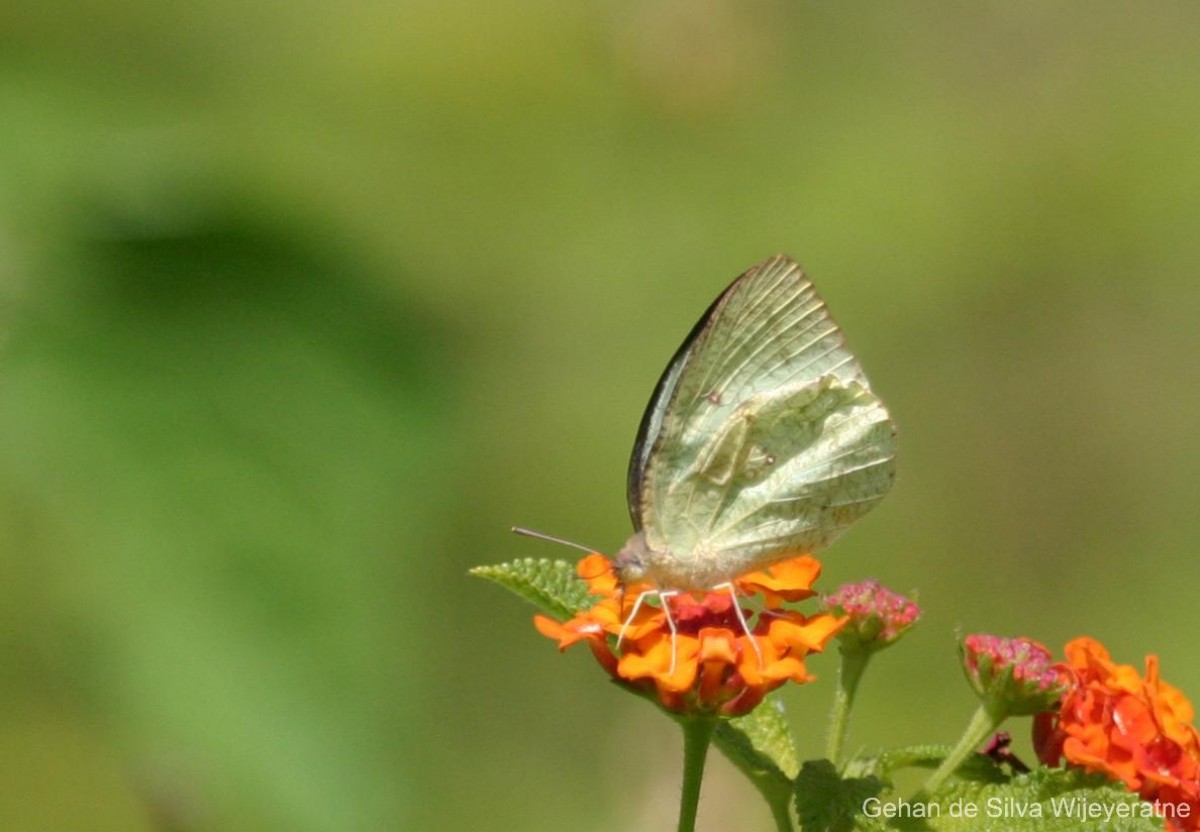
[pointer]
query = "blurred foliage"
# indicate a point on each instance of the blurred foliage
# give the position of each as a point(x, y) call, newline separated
point(301, 308)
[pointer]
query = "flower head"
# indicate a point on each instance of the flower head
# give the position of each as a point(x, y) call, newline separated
point(877, 616)
point(1132, 728)
point(700, 653)
point(1017, 675)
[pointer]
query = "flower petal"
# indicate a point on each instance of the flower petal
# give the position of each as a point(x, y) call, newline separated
point(789, 580)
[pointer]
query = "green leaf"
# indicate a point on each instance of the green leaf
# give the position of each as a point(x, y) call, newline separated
point(760, 745)
point(1046, 800)
point(911, 756)
point(828, 802)
point(762, 739)
point(976, 767)
point(551, 585)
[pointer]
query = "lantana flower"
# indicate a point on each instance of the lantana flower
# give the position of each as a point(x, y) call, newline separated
point(709, 664)
point(1019, 673)
point(1011, 677)
point(1132, 728)
point(878, 616)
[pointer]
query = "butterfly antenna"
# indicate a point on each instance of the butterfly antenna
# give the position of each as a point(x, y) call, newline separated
point(552, 539)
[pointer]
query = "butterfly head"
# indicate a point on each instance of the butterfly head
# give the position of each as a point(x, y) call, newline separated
point(632, 563)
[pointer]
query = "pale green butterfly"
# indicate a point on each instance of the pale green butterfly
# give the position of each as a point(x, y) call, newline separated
point(762, 440)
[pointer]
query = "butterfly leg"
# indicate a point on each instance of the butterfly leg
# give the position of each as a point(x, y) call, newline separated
point(637, 605)
point(741, 617)
point(666, 608)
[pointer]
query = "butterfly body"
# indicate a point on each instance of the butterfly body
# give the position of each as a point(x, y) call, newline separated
point(762, 441)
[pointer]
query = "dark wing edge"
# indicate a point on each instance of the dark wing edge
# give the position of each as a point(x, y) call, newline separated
point(664, 391)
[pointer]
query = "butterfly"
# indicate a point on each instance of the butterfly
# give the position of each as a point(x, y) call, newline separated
point(761, 442)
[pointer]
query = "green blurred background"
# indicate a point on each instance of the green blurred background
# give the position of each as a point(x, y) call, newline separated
point(303, 305)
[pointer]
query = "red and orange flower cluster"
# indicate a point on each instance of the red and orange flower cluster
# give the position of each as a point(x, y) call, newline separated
point(709, 664)
point(1133, 729)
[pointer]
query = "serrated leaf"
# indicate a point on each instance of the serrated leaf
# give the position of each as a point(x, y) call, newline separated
point(760, 745)
point(1046, 800)
point(829, 802)
point(977, 767)
point(763, 737)
point(910, 756)
point(550, 585)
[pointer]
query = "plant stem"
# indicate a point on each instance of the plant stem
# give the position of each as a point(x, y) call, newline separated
point(697, 734)
point(849, 674)
point(982, 723)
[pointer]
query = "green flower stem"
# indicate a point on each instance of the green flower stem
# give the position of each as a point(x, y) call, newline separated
point(697, 735)
point(849, 674)
point(985, 721)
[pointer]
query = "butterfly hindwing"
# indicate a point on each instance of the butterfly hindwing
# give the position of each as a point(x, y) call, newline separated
point(762, 436)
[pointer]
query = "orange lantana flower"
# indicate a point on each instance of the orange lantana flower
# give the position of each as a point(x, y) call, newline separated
point(1134, 729)
point(708, 664)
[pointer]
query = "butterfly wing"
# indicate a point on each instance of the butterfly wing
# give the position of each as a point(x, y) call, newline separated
point(762, 438)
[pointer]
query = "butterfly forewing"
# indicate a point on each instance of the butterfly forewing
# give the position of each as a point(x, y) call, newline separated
point(762, 438)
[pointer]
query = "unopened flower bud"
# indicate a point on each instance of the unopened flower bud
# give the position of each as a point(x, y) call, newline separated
point(877, 616)
point(1016, 674)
